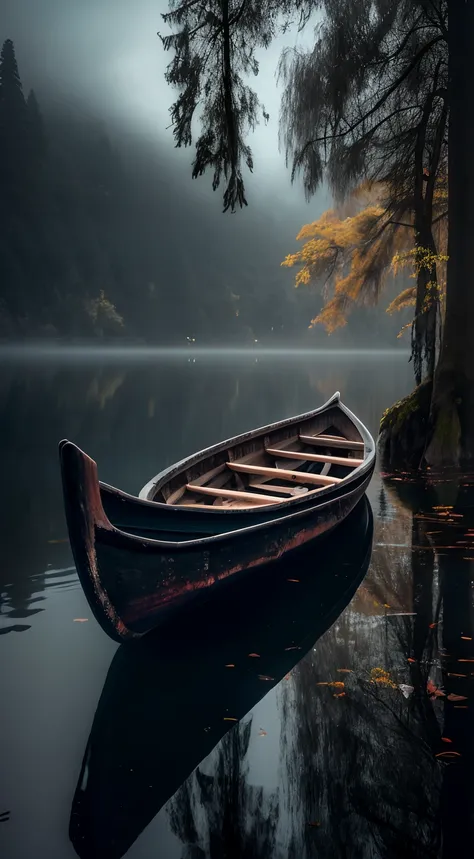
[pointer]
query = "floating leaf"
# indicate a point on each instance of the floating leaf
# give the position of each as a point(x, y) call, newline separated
point(339, 695)
point(465, 660)
point(433, 690)
point(336, 684)
point(81, 619)
point(451, 674)
point(230, 719)
point(461, 707)
point(345, 670)
point(448, 755)
point(382, 678)
point(466, 637)
point(453, 697)
point(292, 580)
point(411, 660)
point(262, 733)
point(255, 655)
point(433, 625)
point(446, 740)
point(406, 690)
point(230, 665)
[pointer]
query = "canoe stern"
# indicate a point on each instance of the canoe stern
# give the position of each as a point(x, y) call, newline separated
point(86, 521)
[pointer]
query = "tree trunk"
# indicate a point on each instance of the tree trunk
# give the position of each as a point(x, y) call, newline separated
point(452, 411)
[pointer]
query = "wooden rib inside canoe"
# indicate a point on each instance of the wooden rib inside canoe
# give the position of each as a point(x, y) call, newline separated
point(315, 457)
point(297, 476)
point(331, 441)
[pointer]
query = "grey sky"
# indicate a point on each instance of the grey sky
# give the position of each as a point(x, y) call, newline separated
point(107, 53)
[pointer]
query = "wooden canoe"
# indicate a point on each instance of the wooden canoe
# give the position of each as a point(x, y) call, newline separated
point(169, 699)
point(234, 506)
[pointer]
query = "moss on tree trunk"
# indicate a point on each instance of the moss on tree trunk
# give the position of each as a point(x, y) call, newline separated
point(403, 430)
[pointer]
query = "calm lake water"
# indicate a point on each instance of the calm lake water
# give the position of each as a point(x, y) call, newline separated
point(361, 744)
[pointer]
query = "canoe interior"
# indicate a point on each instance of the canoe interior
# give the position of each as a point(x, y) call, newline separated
point(271, 468)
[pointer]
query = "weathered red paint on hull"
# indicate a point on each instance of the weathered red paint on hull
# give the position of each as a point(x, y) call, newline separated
point(149, 605)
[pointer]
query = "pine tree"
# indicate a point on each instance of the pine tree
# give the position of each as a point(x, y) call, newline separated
point(13, 130)
point(36, 129)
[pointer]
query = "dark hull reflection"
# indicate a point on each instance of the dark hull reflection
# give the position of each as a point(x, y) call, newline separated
point(170, 698)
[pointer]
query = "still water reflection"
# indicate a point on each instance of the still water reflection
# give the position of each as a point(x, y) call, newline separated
point(377, 767)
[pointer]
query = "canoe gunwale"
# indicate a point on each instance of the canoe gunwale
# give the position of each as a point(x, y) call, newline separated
point(147, 493)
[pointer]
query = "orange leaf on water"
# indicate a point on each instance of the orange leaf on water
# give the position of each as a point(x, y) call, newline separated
point(453, 697)
point(448, 755)
point(339, 695)
point(337, 684)
point(230, 665)
point(230, 719)
point(345, 670)
point(466, 637)
point(434, 691)
point(446, 740)
point(432, 625)
point(410, 659)
point(255, 655)
point(81, 619)
point(292, 580)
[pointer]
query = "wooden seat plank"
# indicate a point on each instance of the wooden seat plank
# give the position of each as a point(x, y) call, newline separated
point(283, 490)
point(251, 497)
point(315, 457)
point(283, 474)
point(331, 441)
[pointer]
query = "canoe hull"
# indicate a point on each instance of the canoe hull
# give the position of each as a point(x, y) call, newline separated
point(133, 584)
point(147, 583)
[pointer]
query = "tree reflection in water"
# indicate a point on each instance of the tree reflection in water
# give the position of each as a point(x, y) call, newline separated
point(376, 749)
point(240, 819)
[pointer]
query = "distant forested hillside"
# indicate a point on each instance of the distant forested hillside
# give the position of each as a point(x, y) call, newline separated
point(99, 240)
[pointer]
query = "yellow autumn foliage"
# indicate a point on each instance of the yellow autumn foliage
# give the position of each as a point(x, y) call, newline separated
point(382, 678)
point(356, 255)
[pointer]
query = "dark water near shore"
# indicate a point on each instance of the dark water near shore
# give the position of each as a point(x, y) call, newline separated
point(378, 767)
